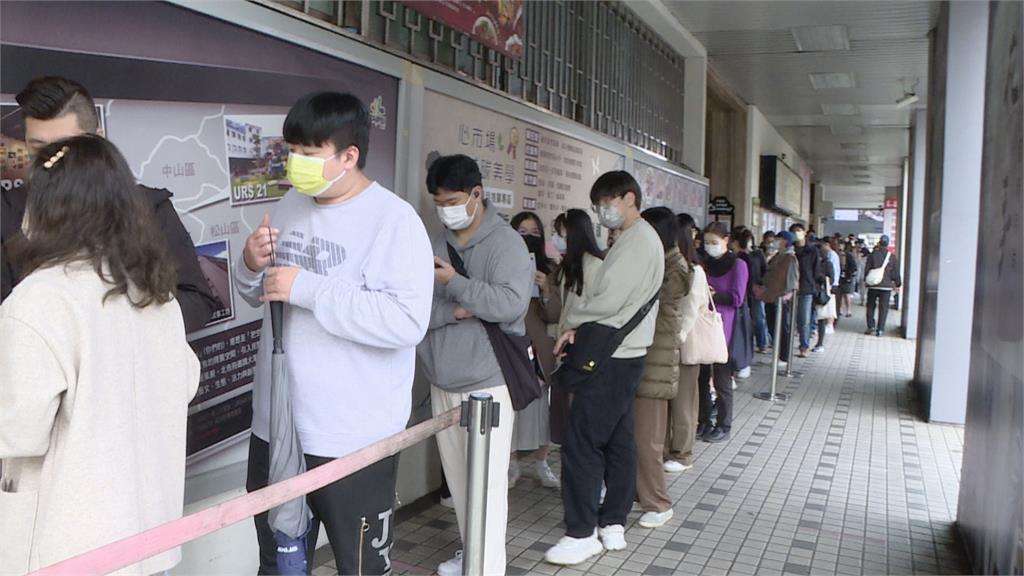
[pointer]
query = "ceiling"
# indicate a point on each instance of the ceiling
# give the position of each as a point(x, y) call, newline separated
point(850, 130)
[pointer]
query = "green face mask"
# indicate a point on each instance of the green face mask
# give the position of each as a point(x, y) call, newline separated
point(306, 173)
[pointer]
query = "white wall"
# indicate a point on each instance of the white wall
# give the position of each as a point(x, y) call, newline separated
point(764, 139)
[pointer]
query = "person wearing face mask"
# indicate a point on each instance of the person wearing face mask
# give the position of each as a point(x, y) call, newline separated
point(728, 277)
point(457, 356)
point(351, 261)
point(812, 273)
point(558, 239)
point(599, 443)
point(780, 281)
point(531, 434)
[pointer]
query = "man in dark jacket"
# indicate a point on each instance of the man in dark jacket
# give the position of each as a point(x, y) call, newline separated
point(812, 273)
point(880, 293)
point(56, 108)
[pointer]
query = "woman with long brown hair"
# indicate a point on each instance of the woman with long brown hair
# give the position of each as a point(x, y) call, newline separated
point(97, 374)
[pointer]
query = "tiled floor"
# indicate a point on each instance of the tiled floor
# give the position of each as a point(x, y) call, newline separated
point(841, 479)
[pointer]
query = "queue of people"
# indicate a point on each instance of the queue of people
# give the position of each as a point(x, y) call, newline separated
point(634, 349)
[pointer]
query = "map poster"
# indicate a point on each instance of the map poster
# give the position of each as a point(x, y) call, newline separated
point(497, 24)
point(680, 194)
point(524, 166)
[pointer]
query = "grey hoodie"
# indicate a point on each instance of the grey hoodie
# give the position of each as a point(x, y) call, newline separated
point(456, 355)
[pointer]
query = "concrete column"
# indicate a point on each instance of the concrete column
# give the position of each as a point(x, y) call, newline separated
point(913, 235)
point(695, 88)
point(957, 217)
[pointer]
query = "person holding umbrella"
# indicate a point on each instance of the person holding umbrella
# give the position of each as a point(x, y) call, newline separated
point(355, 275)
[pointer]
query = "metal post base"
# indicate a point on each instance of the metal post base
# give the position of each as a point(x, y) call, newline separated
point(777, 397)
point(790, 374)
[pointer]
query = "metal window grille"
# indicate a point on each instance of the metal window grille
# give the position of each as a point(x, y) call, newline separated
point(593, 62)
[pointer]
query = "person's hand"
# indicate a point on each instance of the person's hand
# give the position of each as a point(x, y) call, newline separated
point(462, 314)
point(541, 280)
point(443, 271)
point(260, 245)
point(277, 286)
point(569, 337)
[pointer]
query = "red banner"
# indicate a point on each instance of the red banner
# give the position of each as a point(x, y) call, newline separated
point(497, 24)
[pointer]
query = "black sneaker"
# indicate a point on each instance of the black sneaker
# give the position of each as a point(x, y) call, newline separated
point(717, 435)
point(703, 430)
point(879, 333)
point(869, 332)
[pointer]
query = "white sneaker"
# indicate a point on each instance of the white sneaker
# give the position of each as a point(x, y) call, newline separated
point(783, 363)
point(613, 537)
point(656, 519)
point(734, 386)
point(514, 473)
point(675, 467)
point(451, 567)
point(546, 476)
point(570, 551)
point(448, 502)
point(743, 374)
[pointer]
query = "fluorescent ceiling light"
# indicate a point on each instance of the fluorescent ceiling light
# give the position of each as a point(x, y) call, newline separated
point(846, 130)
point(839, 109)
point(831, 80)
point(821, 38)
point(853, 146)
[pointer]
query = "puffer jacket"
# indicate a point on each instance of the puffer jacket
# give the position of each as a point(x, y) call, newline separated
point(660, 379)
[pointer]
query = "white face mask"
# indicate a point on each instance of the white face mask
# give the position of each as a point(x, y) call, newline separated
point(457, 217)
point(611, 217)
point(560, 243)
point(715, 250)
point(800, 235)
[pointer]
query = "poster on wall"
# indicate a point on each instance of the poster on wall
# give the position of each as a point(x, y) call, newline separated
point(663, 188)
point(890, 222)
point(212, 138)
point(524, 166)
point(497, 24)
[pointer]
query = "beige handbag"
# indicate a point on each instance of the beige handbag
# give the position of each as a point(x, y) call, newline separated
point(706, 342)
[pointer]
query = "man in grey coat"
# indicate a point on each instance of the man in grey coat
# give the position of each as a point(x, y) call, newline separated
point(456, 355)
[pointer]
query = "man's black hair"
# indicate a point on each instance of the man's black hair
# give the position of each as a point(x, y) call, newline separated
point(615, 184)
point(323, 117)
point(51, 97)
point(457, 173)
point(796, 226)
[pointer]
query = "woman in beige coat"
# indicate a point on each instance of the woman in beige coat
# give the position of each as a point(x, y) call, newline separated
point(97, 374)
point(684, 406)
point(660, 378)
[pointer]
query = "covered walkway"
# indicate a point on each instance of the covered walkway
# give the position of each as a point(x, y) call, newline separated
point(842, 479)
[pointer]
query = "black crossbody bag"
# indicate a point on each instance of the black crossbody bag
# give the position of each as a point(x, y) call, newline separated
point(513, 352)
point(593, 347)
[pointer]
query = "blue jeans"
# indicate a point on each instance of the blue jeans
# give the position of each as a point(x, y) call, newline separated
point(803, 319)
point(760, 324)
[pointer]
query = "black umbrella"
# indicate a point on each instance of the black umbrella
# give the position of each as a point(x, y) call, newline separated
point(291, 520)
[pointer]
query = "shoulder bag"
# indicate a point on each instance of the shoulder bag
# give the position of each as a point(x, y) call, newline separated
point(706, 342)
point(877, 275)
point(513, 352)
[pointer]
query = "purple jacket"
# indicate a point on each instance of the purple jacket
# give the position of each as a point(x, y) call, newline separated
point(730, 292)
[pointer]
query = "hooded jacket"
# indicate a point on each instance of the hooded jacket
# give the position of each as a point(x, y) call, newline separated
point(456, 355)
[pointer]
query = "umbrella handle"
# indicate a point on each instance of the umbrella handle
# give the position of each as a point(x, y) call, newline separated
point(276, 325)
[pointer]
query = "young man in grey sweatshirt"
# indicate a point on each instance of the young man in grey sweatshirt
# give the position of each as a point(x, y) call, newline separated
point(456, 355)
point(599, 444)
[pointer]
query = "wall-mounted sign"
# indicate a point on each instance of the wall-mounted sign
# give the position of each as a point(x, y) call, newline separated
point(497, 24)
point(664, 188)
point(781, 188)
point(720, 206)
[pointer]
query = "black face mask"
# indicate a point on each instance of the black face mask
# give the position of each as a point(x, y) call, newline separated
point(534, 244)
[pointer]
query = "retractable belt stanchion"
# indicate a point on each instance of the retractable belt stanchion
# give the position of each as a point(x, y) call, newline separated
point(794, 303)
point(772, 395)
point(479, 416)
